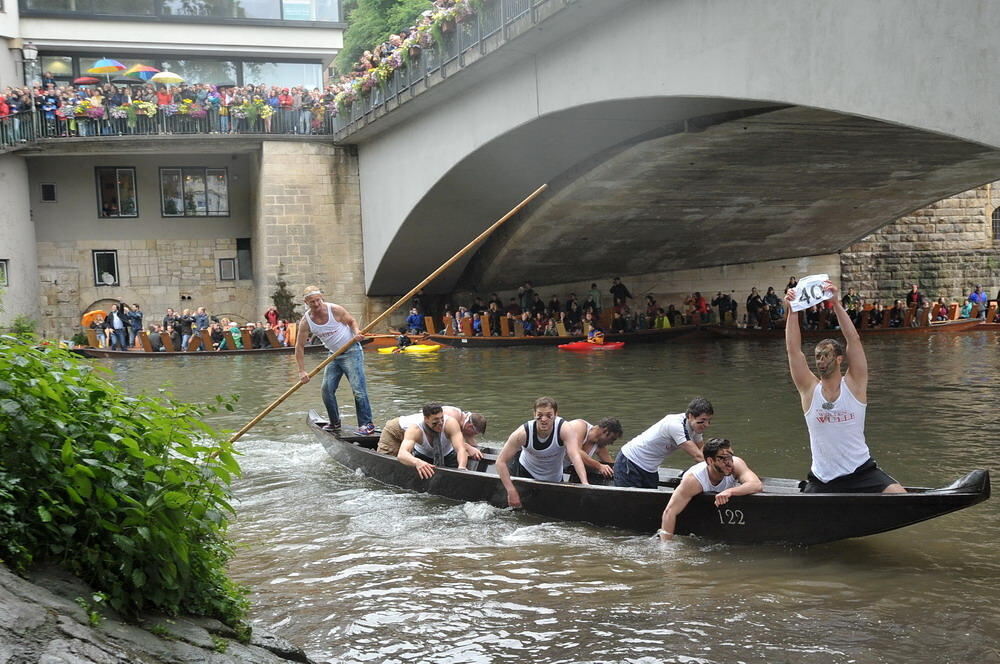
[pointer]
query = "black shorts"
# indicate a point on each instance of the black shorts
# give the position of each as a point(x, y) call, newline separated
point(868, 478)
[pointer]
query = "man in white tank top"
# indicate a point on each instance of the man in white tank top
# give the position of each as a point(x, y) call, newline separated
point(720, 472)
point(594, 442)
point(434, 441)
point(473, 424)
point(335, 328)
point(834, 406)
point(550, 444)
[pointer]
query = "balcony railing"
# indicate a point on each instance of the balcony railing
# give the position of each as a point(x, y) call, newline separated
point(482, 33)
point(30, 127)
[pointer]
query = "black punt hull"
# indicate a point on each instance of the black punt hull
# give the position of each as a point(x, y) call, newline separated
point(129, 354)
point(642, 336)
point(780, 514)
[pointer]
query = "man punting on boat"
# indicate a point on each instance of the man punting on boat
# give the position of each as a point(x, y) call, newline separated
point(538, 449)
point(594, 442)
point(435, 441)
point(834, 406)
point(638, 462)
point(473, 424)
point(722, 472)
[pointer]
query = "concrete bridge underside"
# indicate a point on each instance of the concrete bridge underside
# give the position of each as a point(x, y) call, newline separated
point(752, 131)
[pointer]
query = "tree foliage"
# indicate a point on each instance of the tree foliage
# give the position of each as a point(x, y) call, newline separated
point(131, 494)
point(371, 23)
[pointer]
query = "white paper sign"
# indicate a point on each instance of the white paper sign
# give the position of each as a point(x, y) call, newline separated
point(809, 291)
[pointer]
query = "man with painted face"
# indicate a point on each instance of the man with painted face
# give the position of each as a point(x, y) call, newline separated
point(594, 441)
point(538, 449)
point(834, 407)
point(638, 462)
point(435, 441)
point(721, 472)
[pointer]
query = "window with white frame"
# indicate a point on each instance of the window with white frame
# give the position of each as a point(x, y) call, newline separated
point(105, 267)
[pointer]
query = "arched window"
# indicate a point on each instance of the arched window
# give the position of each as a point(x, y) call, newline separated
point(996, 224)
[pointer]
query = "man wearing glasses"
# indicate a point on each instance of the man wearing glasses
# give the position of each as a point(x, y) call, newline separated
point(720, 472)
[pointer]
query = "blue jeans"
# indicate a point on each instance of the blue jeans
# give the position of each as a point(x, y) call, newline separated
point(351, 364)
point(630, 475)
point(119, 339)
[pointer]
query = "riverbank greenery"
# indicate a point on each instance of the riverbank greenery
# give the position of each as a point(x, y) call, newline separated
point(131, 494)
point(371, 22)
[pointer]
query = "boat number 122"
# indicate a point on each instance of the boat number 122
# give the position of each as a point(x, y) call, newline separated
point(731, 517)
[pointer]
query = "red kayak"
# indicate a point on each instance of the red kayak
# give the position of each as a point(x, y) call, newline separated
point(584, 345)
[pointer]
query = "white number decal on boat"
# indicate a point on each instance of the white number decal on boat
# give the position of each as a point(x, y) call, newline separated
point(731, 517)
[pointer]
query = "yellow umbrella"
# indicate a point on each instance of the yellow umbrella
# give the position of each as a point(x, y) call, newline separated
point(166, 77)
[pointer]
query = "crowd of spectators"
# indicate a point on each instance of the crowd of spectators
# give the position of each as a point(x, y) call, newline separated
point(110, 108)
point(538, 316)
point(123, 326)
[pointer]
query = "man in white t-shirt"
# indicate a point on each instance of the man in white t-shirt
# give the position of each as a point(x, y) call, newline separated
point(638, 462)
point(720, 472)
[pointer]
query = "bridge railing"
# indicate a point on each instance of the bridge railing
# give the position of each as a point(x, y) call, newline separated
point(31, 126)
point(490, 24)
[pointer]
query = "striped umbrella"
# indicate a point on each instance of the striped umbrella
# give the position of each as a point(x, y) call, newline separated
point(106, 66)
point(166, 77)
point(145, 72)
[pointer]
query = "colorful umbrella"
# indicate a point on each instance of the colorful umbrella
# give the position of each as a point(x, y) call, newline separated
point(89, 317)
point(145, 72)
point(166, 77)
point(86, 80)
point(106, 66)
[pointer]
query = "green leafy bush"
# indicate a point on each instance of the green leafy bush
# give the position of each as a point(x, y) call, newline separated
point(131, 494)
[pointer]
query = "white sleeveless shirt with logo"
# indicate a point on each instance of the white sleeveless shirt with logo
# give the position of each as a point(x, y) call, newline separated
point(700, 473)
point(836, 434)
point(332, 333)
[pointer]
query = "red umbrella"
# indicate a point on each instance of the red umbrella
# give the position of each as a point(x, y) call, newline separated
point(86, 80)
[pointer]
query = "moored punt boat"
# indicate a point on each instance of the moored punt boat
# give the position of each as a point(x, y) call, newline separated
point(950, 326)
point(640, 336)
point(779, 514)
point(129, 354)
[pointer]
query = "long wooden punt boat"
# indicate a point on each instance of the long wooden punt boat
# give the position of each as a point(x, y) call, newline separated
point(640, 336)
point(129, 354)
point(779, 514)
point(949, 326)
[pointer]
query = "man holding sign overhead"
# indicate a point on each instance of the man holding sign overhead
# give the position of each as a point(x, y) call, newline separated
point(834, 405)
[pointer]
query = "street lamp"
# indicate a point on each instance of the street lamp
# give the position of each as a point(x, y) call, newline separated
point(30, 55)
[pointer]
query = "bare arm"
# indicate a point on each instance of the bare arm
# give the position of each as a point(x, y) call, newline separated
point(340, 314)
point(300, 344)
point(692, 448)
point(688, 489)
point(804, 379)
point(857, 363)
point(572, 441)
point(424, 470)
point(454, 433)
point(749, 483)
point(510, 449)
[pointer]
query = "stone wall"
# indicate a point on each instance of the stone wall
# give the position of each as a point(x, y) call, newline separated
point(307, 228)
point(947, 248)
point(156, 274)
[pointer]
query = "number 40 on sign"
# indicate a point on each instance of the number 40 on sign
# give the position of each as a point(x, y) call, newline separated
point(809, 291)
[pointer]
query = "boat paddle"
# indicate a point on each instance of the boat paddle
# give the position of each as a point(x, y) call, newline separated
point(330, 358)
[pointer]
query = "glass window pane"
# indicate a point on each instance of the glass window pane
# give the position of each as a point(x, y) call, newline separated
point(196, 70)
point(284, 74)
point(194, 192)
point(106, 268)
point(258, 9)
point(127, 204)
point(57, 65)
point(310, 10)
point(244, 258)
point(218, 192)
point(171, 193)
point(50, 5)
point(3, 274)
point(124, 7)
point(223, 8)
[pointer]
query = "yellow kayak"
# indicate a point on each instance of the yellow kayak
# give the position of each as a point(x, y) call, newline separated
point(415, 348)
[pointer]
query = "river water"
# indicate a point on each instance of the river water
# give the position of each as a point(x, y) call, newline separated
point(358, 572)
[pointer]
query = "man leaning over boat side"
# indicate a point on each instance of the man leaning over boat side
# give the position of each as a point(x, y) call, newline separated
point(638, 462)
point(335, 327)
point(472, 424)
point(537, 450)
point(434, 441)
point(594, 442)
point(721, 472)
point(834, 407)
